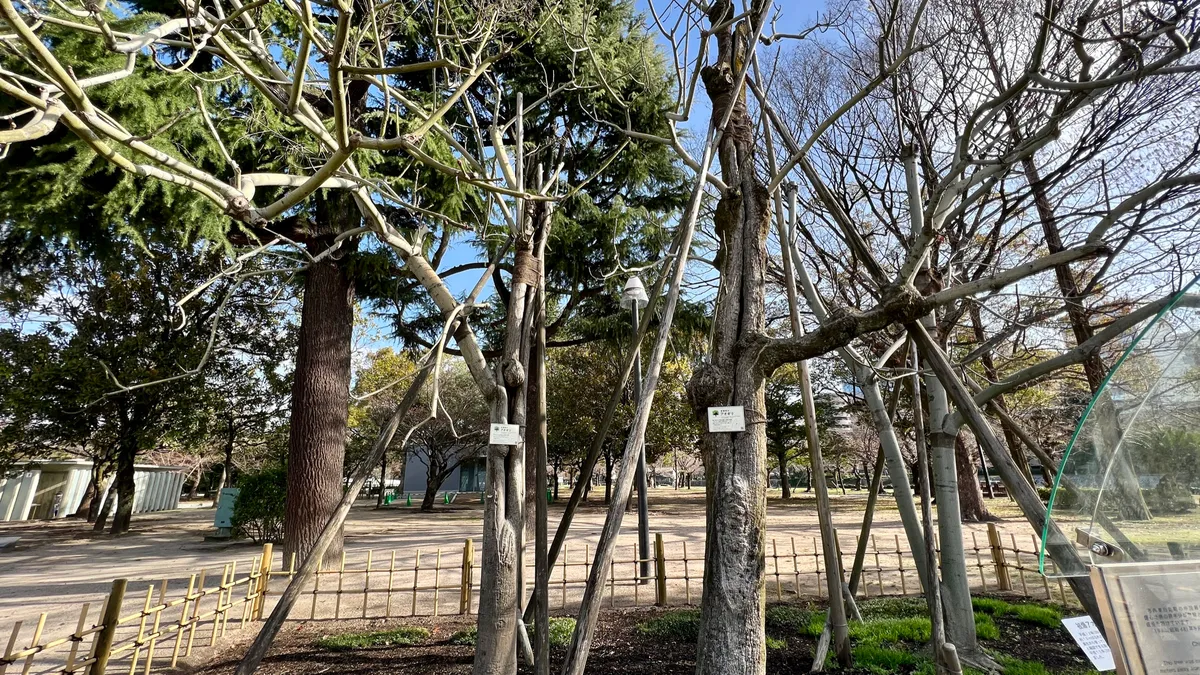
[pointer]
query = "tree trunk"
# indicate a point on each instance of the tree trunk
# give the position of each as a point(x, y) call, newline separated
point(226, 465)
point(608, 469)
point(970, 495)
point(430, 496)
point(382, 482)
point(434, 475)
point(320, 392)
point(126, 455)
point(956, 592)
point(106, 505)
point(91, 494)
point(732, 608)
point(783, 475)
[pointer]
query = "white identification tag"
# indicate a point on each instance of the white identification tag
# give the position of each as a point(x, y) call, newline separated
point(725, 419)
point(1091, 641)
point(504, 434)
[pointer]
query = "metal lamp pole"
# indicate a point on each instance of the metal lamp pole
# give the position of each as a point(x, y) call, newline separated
point(634, 298)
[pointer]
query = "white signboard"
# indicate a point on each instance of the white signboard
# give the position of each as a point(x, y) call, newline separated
point(725, 419)
point(504, 434)
point(1091, 641)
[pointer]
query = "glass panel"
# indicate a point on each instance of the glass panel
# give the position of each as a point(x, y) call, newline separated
point(1127, 485)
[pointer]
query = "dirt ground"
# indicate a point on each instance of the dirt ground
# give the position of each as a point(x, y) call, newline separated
point(58, 565)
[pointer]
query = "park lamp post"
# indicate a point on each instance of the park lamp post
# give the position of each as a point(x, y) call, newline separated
point(634, 298)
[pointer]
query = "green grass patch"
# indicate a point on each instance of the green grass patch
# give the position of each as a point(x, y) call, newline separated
point(1013, 666)
point(776, 643)
point(794, 620)
point(885, 660)
point(680, 626)
point(465, 637)
point(893, 608)
point(985, 628)
point(561, 628)
point(1029, 612)
point(879, 631)
point(404, 636)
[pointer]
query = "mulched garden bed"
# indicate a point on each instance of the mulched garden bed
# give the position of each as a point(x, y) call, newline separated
point(621, 647)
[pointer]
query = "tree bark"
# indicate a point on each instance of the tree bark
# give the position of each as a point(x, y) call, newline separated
point(970, 496)
point(126, 455)
point(733, 604)
point(783, 475)
point(608, 469)
point(382, 482)
point(88, 505)
point(226, 466)
point(956, 591)
point(320, 392)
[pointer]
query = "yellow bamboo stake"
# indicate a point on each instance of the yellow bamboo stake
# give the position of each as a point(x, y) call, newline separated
point(183, 620)
point(775, 559)
point(216, 623)
point(878, 566)
point(264, 580)
point(565, 555)
point(76, 638)
point(795, 568)
point(687, 578)
point(366, 583)
point(312, 614)
point(37, 637)
point(228, 596)
point(12, 642)
point(158, 610)
point(195, 612)
point(416, 573)
point(437, 580)
point(337, 604)
point(900, 557)
point(141, 634)
point(464, 577)
point(387, 612)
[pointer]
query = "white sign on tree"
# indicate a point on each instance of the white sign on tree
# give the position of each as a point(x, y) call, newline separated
point(504, 434)
point(726, 419)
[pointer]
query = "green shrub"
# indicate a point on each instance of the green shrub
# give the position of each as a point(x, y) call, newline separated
point(258, 510)
point(465, 637)
point(794, 620)
point(1170, 497)
point(561, 628)
point(404, 636)
point(680, 626)
point(776, 643)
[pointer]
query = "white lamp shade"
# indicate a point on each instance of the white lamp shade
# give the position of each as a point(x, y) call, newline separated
point(634, 292)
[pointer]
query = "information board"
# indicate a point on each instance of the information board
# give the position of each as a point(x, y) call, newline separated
point(1151, 615)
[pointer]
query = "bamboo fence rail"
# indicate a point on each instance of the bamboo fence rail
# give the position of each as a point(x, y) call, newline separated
point(137, 631)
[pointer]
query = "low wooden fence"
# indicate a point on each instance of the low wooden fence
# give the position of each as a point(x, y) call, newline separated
point(164, 626)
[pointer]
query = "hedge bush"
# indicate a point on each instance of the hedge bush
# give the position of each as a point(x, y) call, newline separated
point(258, 511)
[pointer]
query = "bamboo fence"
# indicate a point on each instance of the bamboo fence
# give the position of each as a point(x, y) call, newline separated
point(134, 631)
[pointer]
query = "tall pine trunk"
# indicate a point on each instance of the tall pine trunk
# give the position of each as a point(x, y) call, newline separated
point(320, 390)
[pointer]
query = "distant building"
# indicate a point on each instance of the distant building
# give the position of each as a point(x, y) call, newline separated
point(49, 489)
point(469, 476)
